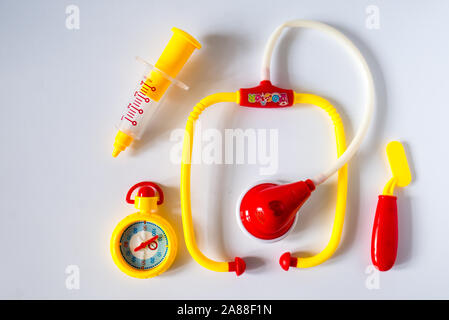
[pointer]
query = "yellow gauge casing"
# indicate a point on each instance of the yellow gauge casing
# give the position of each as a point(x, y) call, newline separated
point(148, 208)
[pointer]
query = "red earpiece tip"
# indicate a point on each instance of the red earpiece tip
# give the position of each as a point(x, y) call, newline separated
point(286, 261)
point(238, 266)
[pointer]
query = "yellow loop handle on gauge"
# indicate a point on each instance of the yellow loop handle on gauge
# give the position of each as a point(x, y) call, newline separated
point(188, 229)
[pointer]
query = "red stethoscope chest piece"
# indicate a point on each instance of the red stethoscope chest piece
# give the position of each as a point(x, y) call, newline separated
point(268, 211)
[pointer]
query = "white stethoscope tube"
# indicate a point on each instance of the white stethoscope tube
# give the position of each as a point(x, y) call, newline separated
point(355, 143)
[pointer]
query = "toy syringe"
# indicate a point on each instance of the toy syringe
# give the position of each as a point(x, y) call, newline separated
point(151, 88)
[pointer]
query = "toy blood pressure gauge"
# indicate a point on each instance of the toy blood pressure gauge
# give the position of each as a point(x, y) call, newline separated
point(144, 245)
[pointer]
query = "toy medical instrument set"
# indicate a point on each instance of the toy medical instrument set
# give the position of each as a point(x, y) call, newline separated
point(144, 244)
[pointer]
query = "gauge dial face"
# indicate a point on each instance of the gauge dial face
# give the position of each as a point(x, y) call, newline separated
point(144, 245)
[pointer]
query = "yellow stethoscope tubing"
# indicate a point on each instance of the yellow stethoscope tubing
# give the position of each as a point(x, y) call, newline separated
point(187, 224)
point(342, 184)
point(120, 261)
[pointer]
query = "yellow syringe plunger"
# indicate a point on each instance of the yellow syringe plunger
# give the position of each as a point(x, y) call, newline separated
point(173, 58)
point(177, 52)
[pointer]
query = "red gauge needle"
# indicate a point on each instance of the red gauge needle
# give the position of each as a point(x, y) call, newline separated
point(145, 243)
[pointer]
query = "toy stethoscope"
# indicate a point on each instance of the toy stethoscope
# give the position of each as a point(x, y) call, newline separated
point(268, 211)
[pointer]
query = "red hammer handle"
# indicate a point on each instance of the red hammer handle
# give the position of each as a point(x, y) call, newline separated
point(384, 242)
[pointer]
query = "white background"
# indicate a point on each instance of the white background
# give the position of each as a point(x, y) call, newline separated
point(62, 193)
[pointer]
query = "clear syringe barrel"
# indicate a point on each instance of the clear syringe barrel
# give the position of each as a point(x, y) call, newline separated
point(145, 100)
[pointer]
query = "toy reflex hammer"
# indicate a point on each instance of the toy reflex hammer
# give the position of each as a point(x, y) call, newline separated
point(384, 241)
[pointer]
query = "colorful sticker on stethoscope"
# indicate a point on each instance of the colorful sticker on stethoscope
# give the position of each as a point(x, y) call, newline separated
point(263, 98)
point(266, 95)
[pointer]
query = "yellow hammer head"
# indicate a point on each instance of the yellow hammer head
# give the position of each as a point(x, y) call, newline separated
point(398, 163)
